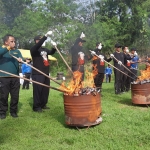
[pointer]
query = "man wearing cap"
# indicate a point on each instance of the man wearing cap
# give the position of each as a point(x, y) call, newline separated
point(134, 64)
point(78, 56)
point(100, 65)
point(118, 64)
point(40, 61)
point(26, 71)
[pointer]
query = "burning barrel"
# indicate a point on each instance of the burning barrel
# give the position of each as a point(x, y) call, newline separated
point(82, 110)
point(140, 93)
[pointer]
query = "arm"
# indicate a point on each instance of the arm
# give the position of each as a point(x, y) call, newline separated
point(51, 52)
point(38, 45)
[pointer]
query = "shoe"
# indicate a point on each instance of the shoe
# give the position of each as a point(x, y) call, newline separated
point(45, 107)
point(2, 116)
point(14, 115)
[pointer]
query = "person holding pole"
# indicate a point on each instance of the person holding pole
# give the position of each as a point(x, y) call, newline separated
point(78, 56)
point(40, 61)
point(100, 65)
point(120, 57)
point(8, 83)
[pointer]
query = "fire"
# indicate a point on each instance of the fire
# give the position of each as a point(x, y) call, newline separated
point(145, 74)
point(76, 82)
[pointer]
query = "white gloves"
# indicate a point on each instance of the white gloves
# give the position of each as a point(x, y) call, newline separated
point(100, 46)
point(135, 53)
point(101, 57)
point(53, 43)
point(93, 53)
point(48, 33)
point(127, 51)
point(82, 35)
point(111, 55)
point(120, 63)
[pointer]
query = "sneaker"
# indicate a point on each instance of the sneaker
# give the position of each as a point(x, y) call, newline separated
point(2, 116)
point(14, 115)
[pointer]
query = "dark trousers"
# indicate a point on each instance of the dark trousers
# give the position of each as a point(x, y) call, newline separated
point(118, 81)
point(98, 80)
point(108, 78)
point(126, 81)
point(40, 93)
point(26, 83)
point(134, 76)
point(9, 85)
point(79, 68)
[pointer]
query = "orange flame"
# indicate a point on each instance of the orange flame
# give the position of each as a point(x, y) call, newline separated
point(145, 74)
point(76, 83)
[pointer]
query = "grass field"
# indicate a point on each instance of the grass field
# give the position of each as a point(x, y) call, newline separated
point(124, 126)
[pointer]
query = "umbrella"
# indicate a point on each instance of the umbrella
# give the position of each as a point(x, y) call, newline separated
point(26, 54)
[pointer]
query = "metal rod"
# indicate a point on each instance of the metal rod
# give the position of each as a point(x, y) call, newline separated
point(39, 71)
point(63, 59)
point(125, 67)
point(32, 81)
point(113, 66)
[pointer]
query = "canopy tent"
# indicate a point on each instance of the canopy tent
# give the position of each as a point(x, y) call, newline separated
point(26, 54)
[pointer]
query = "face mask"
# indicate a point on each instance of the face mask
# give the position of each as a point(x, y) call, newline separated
point(100, 46)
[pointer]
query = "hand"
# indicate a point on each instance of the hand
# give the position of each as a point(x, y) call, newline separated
point(82, 35)
point(93, 53)
point(135, 53)
point(100, 46)
point(111, 55)
point(120, 63)
point(48, 33)
point(19, 59)
point(53, 43)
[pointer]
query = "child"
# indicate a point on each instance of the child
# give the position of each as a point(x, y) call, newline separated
point(108, 72)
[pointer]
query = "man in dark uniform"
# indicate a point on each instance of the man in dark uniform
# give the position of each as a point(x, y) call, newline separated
point(78, 56)
point(118, 64)
point(40, 61)
point(100, 65)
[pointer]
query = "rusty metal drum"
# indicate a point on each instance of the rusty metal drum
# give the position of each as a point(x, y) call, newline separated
point(83, 110)
point(140, 93)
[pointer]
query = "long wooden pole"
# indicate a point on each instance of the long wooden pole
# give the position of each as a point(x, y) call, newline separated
point(13, 75)
point(63, 59)
point(125, 67)
point(39, 71)
point(113, 66)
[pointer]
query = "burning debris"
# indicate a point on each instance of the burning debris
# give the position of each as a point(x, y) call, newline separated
point(76, 87)
point(144, 78)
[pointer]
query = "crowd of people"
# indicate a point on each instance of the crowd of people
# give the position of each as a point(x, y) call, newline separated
point(125, 66)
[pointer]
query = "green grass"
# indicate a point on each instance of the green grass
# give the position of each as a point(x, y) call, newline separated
point(124, 126)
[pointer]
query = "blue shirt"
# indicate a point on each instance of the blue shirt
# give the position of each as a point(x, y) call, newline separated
point(134, 65)
point(108, 70)
point(26, 69)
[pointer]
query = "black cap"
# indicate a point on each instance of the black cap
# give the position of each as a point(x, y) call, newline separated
point(37, 37)
point(133, 49)
point(117, 45)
